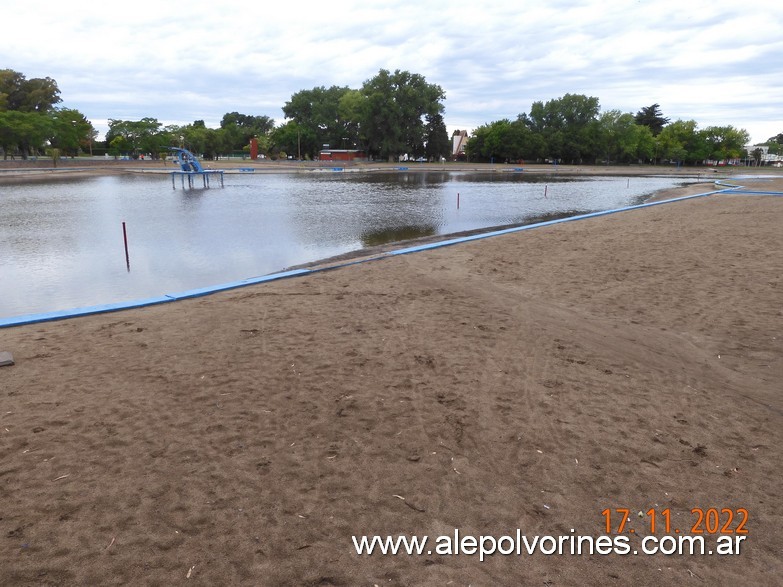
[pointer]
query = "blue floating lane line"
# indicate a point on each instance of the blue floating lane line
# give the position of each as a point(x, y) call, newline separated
point(753, 192)
point(193, 293)
point(202, 291)
point(127, 305)
point(86, 311)
point(738, 189)
point(274, 276)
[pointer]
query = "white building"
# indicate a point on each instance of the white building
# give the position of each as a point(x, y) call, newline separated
point(766, 157)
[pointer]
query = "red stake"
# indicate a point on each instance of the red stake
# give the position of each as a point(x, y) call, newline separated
point(125, 238)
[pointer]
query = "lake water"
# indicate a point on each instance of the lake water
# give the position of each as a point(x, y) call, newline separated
point(61, 243)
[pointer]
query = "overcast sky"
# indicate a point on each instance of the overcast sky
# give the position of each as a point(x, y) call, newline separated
point(718, 62)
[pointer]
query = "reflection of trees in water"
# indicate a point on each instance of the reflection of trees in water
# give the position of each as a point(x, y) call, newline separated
point(509, 176)
point(437, 178)
point(406, 178)
point(372, 238)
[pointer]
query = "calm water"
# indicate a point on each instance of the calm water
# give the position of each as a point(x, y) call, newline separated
point(61, 244)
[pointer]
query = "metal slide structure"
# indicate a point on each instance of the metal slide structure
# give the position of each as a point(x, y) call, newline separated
point(189, 168)
point(187, 160)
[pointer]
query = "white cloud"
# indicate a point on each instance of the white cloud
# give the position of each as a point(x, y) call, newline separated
point(717, 62)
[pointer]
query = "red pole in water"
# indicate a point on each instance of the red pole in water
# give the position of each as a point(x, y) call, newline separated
point(125, 238)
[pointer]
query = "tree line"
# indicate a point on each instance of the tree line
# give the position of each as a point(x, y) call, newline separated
point(391, 114)
point(572, 129)
point(31, 122)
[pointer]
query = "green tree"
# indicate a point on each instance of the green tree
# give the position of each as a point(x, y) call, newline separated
point(620, 139)
point(495, 141)
point(33, 95)
point(645, 149)
point(118, 145)
point(725, 142)
point(137, 136)
point(214, 143)
point(238, 129)
point(680, 141)
point(436, 137)
point(24, 126)
point(351, 111)
point(775, 144)
point(394, 110)
point(318, 115)
point(292, 138)
point(41, 94)
point(505, 141)
point(197, 138)
point(652, 118)
point(9, 132)
point(568, 125)
point(10, 89)
point(71, 131)
point(23, 133)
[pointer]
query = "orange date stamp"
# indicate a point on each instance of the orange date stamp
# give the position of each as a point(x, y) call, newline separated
point(703, 521)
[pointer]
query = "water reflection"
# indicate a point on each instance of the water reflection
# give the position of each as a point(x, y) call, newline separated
point(61, 244)
point(393, 235)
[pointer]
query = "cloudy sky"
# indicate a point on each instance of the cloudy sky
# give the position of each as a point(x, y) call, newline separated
point(718, 62)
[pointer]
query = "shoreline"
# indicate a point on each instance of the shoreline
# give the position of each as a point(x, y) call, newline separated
point(11, 171)
point(529, 381)
point(364, 254)
point(659, 196)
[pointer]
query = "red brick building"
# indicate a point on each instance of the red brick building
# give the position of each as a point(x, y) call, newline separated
point(342, 155)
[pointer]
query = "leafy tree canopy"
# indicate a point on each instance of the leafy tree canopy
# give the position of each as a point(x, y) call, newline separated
point(29, 119)
point(71, 131)
point(565, 124)
point(725, 142)
point(680, 141)
point(394, 110)
point(27, 95)
point(238, 129)
point(436, 137)
point(320, 119)
point(392, 113)
point(651, 117)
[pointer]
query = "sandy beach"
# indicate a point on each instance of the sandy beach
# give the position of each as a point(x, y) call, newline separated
point(525, 382)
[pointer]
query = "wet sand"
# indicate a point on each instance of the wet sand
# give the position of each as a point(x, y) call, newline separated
point(529, 381)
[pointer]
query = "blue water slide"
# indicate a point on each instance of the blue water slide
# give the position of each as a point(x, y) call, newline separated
point(187, 160)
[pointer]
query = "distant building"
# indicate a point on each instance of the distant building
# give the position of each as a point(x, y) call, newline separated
point(342, 155)
point(459, 140)
point(767, 158)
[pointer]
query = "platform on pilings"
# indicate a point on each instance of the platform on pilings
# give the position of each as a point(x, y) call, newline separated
point(191, 175)
point(191, 168)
